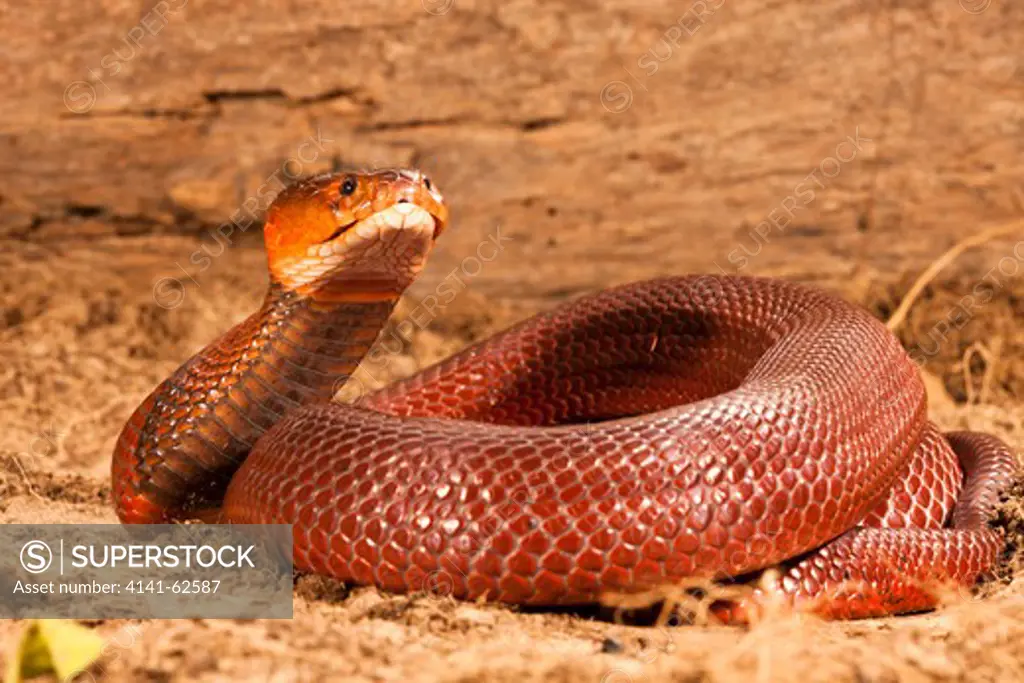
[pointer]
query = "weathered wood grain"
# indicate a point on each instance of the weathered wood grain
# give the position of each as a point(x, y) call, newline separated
point(518, 110)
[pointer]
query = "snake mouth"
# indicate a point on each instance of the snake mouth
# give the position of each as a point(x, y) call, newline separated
point(402, 206)
point(337, 233)
point(436, 213)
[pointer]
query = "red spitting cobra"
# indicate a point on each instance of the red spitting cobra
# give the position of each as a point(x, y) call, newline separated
point(682, 427)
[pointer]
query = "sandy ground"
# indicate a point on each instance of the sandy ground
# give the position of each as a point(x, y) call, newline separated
point(84, 339)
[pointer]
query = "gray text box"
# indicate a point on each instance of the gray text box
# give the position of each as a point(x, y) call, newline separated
point(168, 571)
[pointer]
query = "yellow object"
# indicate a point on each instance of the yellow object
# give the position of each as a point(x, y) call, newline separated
point(53, 646)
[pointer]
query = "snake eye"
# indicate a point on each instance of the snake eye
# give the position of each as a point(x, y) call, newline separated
point(426, 183)
point(348, 186)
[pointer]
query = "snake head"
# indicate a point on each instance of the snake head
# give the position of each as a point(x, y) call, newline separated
point(353, 236)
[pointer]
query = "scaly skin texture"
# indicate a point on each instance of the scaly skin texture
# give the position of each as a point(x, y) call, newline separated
point(694, 426)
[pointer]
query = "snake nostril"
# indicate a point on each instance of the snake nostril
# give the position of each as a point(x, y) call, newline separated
point(426, 183)
point(403, 201)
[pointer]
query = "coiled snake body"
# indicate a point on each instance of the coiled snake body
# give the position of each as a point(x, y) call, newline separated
point(692, 426)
